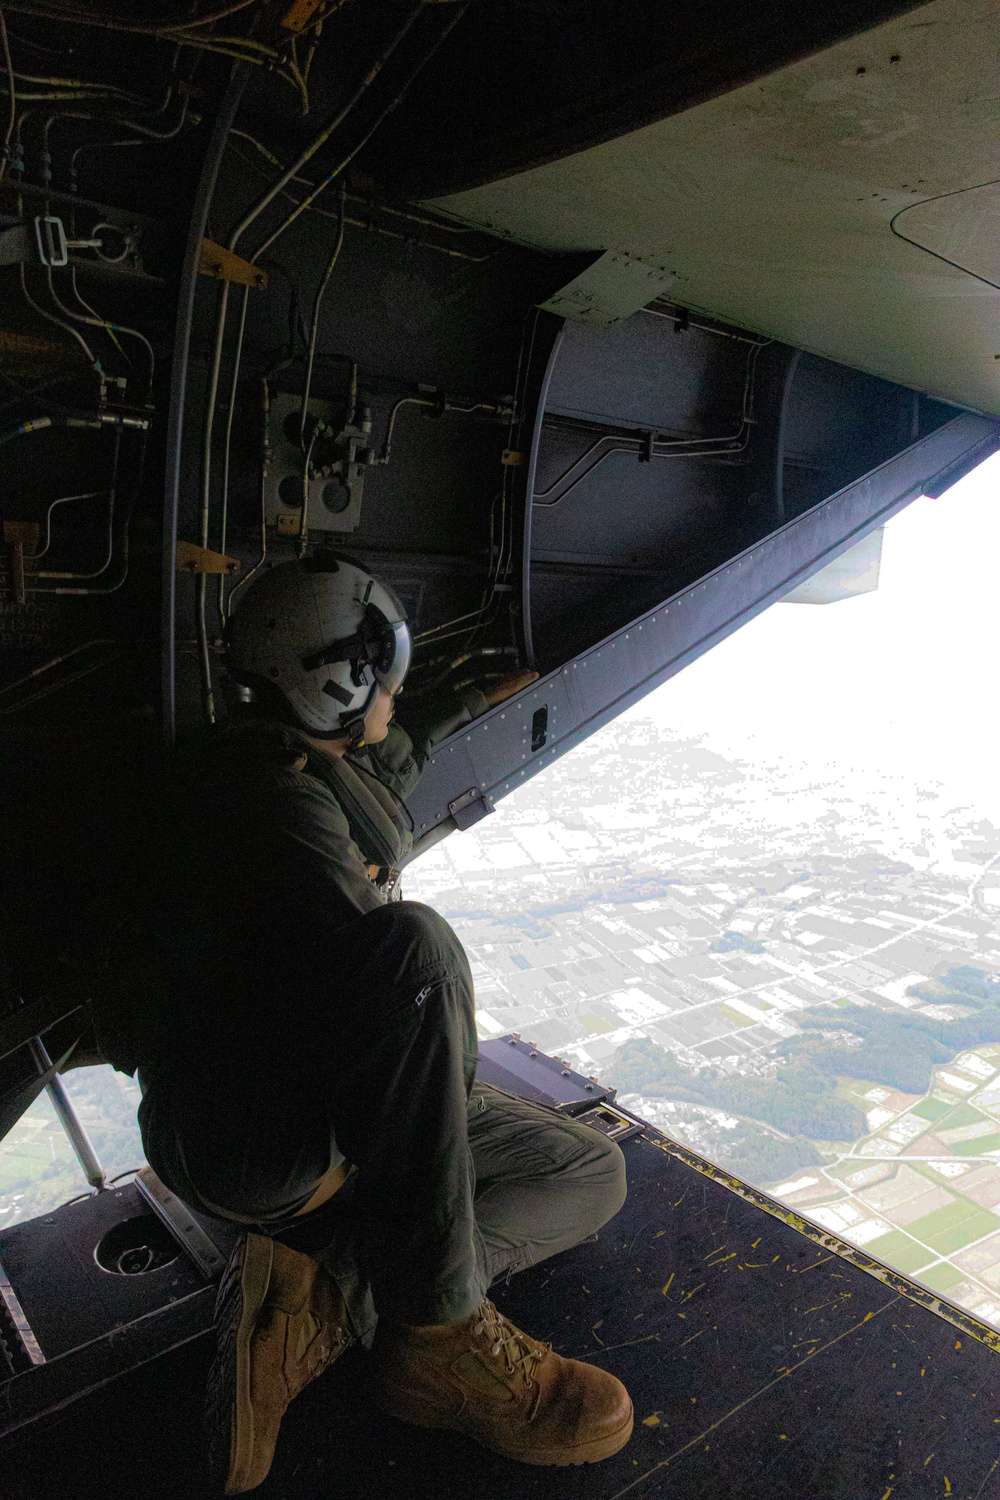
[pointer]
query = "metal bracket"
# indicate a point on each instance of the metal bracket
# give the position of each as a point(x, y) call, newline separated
point(185, 1229)
point(192, 559)
point(22, 539)
point(50, 236)
point(614, 286)
point(300, 14)
point(469, 808)
point(23, 1331)
point(216, 260)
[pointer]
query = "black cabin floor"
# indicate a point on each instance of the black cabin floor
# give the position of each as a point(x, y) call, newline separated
point(761, 1367)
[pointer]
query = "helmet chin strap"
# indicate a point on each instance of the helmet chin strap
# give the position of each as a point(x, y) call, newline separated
point(354, 728)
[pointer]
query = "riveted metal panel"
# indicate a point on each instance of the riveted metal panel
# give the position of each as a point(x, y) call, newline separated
point(587, 692)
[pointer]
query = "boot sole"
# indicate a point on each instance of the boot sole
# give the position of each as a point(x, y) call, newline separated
point(418, 1415)
point(229, 1412)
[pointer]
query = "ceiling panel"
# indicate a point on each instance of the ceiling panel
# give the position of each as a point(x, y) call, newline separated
point(773, 204)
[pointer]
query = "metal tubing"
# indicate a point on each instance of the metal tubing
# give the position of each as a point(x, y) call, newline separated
point(83, 1149)
point(175, 420)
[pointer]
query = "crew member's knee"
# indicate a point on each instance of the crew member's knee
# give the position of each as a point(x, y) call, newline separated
point(606, 1182)
point(417, 936)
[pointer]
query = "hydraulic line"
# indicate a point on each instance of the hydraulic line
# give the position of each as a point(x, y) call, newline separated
point(265, 462)
point(98, 420)
point(94, 363)
point(12, 111)
point(226, 449)
point(95, 321)
point(64, 682)
point(62, 500)
point(109, 551)
point(338, 245)
point(224, 299)
point(604, 446)
point(8, 687)
point(119, 23)
point(249, 218)
point(111, 588)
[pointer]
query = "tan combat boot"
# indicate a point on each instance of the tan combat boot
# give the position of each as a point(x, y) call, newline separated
point(281, 1320)
point(487, 1379)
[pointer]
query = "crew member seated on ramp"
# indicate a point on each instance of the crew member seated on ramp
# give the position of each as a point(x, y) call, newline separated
point(298, 1028)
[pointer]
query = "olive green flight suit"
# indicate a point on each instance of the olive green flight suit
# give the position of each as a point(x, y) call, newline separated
point(283, 1016)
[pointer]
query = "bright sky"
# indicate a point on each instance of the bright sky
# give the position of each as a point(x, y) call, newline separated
point(904, 678)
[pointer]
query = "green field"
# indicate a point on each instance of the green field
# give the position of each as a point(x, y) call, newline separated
point(977, 1146)
point(930, 1109)
point(948, 1229)
point(737, 1018)
point(963, 1114)
point(899, 1252)
point(24, 1159)
point(941, 1278)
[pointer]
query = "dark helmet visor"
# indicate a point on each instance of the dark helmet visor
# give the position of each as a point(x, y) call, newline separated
point(395, 660)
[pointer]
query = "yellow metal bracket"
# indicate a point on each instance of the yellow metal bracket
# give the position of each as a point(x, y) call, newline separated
point(216, 260)
point(300, 14)
point(192, 559)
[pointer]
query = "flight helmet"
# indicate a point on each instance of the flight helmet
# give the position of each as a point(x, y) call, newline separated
point(316, 638)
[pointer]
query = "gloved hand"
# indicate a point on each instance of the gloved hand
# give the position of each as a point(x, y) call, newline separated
point(508, 687)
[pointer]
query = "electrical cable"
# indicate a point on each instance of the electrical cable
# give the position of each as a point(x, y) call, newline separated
point(64, 682)
point(8, 687)
point(324, 282)
point(367, 224)
point(956, 193)
point(12, 116)
point(110, 22)
point(249, 218)
point(81, 83)
point(244, 224)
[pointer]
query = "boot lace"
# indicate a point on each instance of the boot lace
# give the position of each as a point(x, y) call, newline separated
point(521, 1353)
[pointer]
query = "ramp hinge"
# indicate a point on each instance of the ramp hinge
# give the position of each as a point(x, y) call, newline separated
point(469, 808)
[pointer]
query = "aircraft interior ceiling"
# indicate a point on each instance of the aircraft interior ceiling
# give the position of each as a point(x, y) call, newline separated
point(847, 204)
point(594, 327)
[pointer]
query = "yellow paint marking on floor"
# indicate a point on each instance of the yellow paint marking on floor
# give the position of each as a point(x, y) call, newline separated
point(669, 1280)
point(887, 1493)
point(652, 1421)
point(928, 1459)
